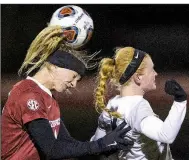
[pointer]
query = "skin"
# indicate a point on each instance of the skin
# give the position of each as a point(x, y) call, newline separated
point(140, 84)
point(58, 79)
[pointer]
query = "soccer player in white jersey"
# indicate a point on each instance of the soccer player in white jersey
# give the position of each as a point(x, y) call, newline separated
point(132, 71)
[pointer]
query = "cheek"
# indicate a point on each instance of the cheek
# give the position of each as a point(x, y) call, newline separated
point(147, 81)
point(60, 84)
point(58, 81)
point(152, 82)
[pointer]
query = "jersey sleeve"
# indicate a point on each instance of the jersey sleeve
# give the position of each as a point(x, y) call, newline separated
point(166, 131)
point(138, 113)
point(32, 107)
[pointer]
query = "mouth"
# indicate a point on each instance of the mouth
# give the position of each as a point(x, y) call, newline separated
point(67, 91)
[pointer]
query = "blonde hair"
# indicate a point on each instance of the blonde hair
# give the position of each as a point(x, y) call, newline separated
point(111, 70)
point(46, 42)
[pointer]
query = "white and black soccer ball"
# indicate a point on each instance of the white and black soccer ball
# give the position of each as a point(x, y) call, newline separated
point(76, 23)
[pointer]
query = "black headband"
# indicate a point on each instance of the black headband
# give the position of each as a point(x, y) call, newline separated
point(66, 60)
point(133, 66)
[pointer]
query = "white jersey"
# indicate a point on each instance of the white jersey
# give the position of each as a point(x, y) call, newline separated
point(151, 135)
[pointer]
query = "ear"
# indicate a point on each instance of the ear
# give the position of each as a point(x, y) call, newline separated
point(137, 78)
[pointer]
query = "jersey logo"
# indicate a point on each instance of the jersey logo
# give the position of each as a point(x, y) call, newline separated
point(113, 144)
point(32, 104)
point(55, 124)
point(137, 55)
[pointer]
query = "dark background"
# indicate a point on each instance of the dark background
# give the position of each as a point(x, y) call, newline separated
point(161, 30)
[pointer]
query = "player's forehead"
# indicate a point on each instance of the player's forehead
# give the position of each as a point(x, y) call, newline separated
point(149, 62)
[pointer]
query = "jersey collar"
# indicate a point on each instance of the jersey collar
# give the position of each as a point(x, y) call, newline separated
point(40, 85)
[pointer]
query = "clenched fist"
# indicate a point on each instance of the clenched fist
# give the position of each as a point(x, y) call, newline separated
point(174, 89)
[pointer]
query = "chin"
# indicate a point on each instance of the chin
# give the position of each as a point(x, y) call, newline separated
point(60, 90)
point(154, 87)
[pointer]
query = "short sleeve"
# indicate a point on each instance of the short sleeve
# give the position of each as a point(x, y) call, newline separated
point(32, 107)
point(138, 113)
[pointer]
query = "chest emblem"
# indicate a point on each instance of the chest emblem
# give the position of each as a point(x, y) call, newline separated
point(32, 104)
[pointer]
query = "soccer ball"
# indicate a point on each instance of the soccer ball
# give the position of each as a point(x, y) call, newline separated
point(76, 23)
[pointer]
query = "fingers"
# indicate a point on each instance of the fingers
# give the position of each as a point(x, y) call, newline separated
point(125, 141)
point(112, 109)
point(172, 83)
point(175, 89)
point(122, 132)
point(121, 126)
point(124, 147)
point(168, 83)
point(170, 87)
point(176, 85)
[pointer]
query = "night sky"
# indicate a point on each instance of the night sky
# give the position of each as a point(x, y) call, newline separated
point(161, 30)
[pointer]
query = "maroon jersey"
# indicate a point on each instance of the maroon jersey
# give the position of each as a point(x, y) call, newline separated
point(28, 100)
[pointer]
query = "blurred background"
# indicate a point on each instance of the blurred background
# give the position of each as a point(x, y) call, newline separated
point(160, 30)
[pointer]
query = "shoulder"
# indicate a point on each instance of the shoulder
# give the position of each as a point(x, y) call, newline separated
point(144, 105)
point(22, 96)
point(23, 85)
point(24, 88)
point(26, 93)
point(21, 91)
point(129, 104)
point(141, 111)
point(141, 108)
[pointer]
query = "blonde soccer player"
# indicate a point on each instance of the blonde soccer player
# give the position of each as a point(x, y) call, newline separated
point(132, 71)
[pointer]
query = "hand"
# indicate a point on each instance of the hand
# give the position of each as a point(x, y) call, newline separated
point(115, 139)
point(106, 124)
point(174, 89)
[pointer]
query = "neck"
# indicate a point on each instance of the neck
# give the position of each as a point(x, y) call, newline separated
point(43, 77)
point(131, 90)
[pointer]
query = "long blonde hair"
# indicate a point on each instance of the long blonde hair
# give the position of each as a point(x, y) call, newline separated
point(111, 70)
point(47, 41)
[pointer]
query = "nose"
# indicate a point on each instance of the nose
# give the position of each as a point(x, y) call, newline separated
point(155, 73)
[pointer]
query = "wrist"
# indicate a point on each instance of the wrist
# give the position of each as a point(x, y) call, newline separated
point(103, 146)
point(96, 147)
point(180, 98)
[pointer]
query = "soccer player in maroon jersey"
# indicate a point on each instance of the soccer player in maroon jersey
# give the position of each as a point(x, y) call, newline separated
point(31, 124)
